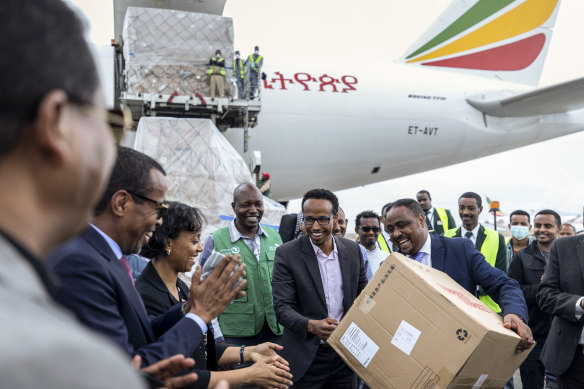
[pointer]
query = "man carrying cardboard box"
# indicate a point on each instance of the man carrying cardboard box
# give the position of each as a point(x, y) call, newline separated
point(406, 224)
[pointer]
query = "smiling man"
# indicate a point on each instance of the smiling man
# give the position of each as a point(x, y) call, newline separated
point(316, 279)
point(489, 242)
point(96, 282)
point(528, 268)
point(368, 228)
point(406, 223)
point(250, 320)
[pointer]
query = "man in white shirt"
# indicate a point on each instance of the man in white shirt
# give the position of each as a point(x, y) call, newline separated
point(367, 228)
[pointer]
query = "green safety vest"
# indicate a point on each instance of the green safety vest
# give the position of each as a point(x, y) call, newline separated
point(246, 316)
point(257, 61)
point(221, 64)
point(241, 68)
point(443, 217)
point(489, 249)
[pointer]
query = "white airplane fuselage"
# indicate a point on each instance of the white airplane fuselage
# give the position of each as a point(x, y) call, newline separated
point(397, 121)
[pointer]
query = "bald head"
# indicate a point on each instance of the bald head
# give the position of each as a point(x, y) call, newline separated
point(244, 187)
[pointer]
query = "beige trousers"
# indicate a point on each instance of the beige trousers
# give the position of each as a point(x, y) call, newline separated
point(217, 83)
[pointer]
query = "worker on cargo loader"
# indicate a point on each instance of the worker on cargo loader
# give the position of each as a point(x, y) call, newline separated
point(255, 62)
point(406, 223)
point(217, 73)
point(239, 74)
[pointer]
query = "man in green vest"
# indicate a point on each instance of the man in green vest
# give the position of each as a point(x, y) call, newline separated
point(438, 220)
point(217, 73)
point(489, 242)
point(239, 74)
point(255, 62)
point(250, 320)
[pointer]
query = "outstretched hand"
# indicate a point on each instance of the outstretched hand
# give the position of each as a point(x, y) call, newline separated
point(165, 369)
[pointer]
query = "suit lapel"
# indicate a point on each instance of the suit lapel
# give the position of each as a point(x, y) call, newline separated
point(437, 253)
point(118, 271)
point(436, 218)
point(580, 250)
point(345, 264)
point(311, 263)
point(481, 236)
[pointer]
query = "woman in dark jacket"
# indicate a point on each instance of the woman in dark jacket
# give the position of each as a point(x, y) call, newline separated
point(173, 248)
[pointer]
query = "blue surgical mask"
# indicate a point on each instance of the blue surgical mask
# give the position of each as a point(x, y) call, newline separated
point(519, 232)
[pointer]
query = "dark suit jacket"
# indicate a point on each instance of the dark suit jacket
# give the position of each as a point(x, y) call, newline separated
point(299, 295)
point(458, 258)
point(288, 227)
point(561, 287)
point(158, 300)
point(438, 227)
point(96, 287)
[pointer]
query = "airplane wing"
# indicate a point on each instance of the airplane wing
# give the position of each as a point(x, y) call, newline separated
point(557, 98)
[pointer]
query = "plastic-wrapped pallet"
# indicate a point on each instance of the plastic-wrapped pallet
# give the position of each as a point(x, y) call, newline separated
point(167, 51)
point(202, 167)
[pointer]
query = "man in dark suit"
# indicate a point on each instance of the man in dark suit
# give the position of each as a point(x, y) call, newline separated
point(561, 293)
point(438, 220)
point(458, 258)
point(316, 278)
point(96, 281)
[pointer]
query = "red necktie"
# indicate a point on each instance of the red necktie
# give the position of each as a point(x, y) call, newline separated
point(126, 266)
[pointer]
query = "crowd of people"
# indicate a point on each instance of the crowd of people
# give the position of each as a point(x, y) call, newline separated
point(76, 312)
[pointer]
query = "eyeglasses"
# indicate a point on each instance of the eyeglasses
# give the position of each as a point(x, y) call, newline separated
point(161, 207)
point(323, 220)
point(118, 119)
point(369, 229)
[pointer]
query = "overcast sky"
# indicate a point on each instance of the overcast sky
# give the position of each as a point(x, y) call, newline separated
point(544, 175)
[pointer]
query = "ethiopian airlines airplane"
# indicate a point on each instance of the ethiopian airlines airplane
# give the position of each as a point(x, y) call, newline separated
point(466, 88)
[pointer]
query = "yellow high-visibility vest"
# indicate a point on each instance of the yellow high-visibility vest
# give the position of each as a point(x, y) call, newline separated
point(443, 217)
point(489, 249)
point(257, 61)
point(219, 62)
point(241, 68)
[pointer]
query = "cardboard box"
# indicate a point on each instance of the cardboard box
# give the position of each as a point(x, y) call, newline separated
point(415, 327)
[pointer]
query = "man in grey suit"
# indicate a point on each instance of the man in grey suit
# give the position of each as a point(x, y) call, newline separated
point(56, 151)
point(561, 293)
point(316, 278)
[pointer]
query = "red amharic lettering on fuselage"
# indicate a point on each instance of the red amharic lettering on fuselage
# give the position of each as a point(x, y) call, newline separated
point(308, 83)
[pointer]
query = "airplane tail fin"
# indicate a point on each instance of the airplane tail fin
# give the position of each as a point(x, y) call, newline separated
point(503, 39)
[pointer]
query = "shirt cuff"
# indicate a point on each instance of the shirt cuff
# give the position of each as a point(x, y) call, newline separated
point(197, 320)
point(579, 310)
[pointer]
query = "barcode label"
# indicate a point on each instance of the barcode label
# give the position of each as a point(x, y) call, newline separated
point(362, 347)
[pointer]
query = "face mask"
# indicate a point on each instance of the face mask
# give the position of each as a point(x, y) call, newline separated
point(256, 52)
point(236, 56)
point(519, 232)
point(218, 55)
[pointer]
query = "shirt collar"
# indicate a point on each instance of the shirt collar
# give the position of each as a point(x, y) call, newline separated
point(235, 235)
point(110, 242)
point(318, 251)
point(430, 211)
point(427, 247)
